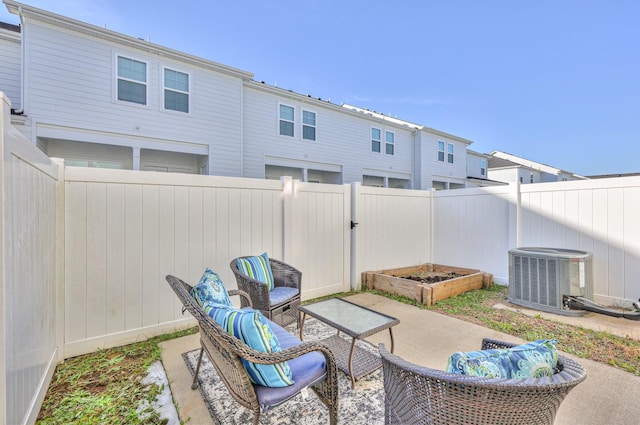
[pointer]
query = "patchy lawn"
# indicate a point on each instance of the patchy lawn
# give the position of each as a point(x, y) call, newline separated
point(477, 307)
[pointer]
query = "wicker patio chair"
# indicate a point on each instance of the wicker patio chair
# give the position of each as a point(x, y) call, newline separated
point(225, 352)
point(279, 305)
point(421, 395)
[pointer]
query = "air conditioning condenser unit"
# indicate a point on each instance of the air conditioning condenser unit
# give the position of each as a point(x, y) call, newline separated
point(541, 278)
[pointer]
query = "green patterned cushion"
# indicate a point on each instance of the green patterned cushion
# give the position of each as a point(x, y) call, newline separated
point(257, 268)
point(251, 327)
point(210, 289)
point(532, 360)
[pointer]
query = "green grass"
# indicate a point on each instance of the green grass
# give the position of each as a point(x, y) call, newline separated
point(477, 307)
point(105, 387)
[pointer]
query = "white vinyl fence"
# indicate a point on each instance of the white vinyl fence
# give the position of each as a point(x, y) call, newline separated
point(126, 230)
point(85, 251)
point(29, 309)
point(475, 228)
point(598, 216)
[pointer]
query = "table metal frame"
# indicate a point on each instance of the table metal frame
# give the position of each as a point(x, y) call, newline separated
point(351, 359)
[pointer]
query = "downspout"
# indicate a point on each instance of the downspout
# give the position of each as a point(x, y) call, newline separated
point(242, 128)
point(414, 159)
point(23, 62)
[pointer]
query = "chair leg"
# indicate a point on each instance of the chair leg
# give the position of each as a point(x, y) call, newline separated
point(194, 384)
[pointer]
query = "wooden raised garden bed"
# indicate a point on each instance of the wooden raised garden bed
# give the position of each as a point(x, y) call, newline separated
point(428, 283)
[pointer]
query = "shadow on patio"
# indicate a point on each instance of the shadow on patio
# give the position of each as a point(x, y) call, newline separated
point(608, 395)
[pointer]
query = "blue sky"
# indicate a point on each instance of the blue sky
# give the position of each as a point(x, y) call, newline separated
point(553, 81)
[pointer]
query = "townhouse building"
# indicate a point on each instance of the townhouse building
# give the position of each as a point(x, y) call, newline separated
point(99, 98)
point(509, 168)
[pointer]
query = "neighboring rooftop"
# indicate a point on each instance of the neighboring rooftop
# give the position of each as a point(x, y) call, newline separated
point(10, 27)
point(495, 162)
point(609, 176)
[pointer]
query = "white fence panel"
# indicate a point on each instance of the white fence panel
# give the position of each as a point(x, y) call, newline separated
point(126, 230)
point(471, 228)
point(393, 230)
point(317, 236)
point(598, 216)
point(28, 302)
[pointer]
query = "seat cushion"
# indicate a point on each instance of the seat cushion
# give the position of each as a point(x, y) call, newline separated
point(305, 370)
point(252, 328)
point(281, 294)
point(532, 360)
point(210, 290)
point(257, 268)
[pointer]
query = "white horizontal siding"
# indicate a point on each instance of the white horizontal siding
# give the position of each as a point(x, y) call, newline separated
point(341, 139)
point(71, 83)
point(10, 66)
point(506, 175)
point(443, 170)
point(473, 166)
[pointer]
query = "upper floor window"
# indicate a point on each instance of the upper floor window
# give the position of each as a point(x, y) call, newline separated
point(176, 90)
point(132, 80)
point(483, 167)
point(308, 125)
point(389, 138)
point(441, 151)
point(450, 153)
point(287, 114)
point(376, 139)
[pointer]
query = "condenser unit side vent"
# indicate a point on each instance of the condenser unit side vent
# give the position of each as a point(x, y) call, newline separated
point(541, 277)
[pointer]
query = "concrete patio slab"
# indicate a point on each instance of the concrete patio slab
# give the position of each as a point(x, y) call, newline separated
point(608, 396)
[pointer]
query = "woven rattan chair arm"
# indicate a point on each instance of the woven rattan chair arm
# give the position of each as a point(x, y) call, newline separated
point(490, 344)
point(284, 274)
point(242, 294)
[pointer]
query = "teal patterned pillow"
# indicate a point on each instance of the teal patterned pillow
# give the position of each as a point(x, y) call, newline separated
point(257, 268)
point(210, 289)
point(251, 327)
point(532, 360)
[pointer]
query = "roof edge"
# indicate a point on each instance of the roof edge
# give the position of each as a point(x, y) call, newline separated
point(129, 41)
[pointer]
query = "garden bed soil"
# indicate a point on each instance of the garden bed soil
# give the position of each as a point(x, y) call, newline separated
point(427, 283)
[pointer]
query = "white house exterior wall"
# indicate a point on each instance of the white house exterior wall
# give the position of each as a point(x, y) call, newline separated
point(343, 139)
point(443, 170)
point(473, 166)
point(70, 89)
point(507, 175)
point(10, 69)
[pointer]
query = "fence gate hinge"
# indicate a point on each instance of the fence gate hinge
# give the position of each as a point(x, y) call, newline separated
point(353, 224)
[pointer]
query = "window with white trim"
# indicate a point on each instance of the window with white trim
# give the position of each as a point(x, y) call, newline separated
point(441, 151)
point(389, 139)
point(308, 125)
point(483, 167)
point(450, 153)
point(376, 139)
point(132, 80)
point(287, 120)
point(176, 90)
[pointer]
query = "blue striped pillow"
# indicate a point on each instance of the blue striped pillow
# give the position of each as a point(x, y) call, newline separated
point(257, 268)
point(251, 327)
